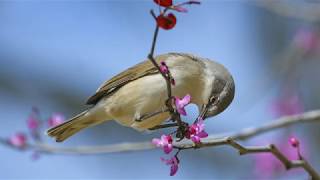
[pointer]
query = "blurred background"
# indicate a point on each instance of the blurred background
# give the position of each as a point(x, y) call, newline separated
point(54, 54)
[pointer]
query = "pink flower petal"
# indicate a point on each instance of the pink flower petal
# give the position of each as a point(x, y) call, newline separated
point(173, 169)
point(56, 119)
point(200, 127)
point(180, 9)
point(33, 123)
point(163, 137)
point(168, 148)
point(181, 103)
point(202, 134)
point(18, 140)
point(294, 142)
point(182, 111)
point(185, 100)
point(163, 67)
point(195, 139)
point(156, 142)
point(174, 162)
point(196, 131)
point(289, 104)
point(306, 39)
point(169, 139)
point(166, 161)
point(165, 143)
point(193, 129)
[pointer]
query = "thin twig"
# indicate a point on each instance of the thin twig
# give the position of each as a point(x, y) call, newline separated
point(243, 150)
point(307, 117)
point(175, 116)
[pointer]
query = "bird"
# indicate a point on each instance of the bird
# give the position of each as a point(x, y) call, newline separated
point(141, 90)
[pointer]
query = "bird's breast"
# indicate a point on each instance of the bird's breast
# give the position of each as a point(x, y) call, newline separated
point(148, 94)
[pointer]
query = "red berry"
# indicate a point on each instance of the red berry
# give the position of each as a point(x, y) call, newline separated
point(166, 22)
point(164, 3)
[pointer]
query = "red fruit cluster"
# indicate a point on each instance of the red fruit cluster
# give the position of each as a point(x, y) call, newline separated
point(169, 21)
point(166, 21)
point(164, 3)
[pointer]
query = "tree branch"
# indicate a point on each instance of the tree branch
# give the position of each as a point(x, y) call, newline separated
point(247, 133)
point(243, 150)
point(308, 11)
point(307, 117)
point(211, 141)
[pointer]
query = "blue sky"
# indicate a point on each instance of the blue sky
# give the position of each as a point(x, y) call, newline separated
point(52, 49)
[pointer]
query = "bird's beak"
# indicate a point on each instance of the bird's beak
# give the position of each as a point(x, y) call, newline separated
point(203, 111)
point(210, 111)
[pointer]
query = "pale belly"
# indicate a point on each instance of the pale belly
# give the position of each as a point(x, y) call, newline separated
point(145, 96)
point(136, 99)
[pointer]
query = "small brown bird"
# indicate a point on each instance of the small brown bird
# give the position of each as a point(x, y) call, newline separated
point(140, 90)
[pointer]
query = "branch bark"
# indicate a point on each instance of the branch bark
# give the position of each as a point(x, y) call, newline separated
point(243, 150)
point(211, 141)
point(308, 11)
point(175, 116)
point(247, 133)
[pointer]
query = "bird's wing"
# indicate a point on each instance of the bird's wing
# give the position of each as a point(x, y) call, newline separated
point(142, 69)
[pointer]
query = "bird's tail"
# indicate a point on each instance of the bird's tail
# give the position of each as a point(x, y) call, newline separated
point(72, 126)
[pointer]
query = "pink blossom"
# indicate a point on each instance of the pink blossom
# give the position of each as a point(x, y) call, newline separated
point(181, 103)
point(196, 131)
point(165, 142)
point(180, 9)
point(33, 123)
point(267, 166)
point(56, 119)
point(294, 142)
point(288, 105)
point(18, 140)
point(174, 162)
point(164, 68)
point(306, 39)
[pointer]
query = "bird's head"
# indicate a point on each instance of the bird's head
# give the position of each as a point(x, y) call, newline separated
point(221, 89)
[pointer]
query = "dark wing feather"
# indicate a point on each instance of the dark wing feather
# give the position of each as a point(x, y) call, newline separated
point(142, 69)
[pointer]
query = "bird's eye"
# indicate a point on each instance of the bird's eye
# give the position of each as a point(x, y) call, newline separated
point(213, 99)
